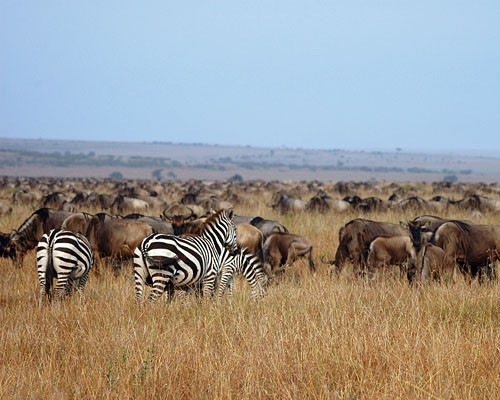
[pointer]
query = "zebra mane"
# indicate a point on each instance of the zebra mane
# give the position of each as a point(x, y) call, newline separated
point(214, 218)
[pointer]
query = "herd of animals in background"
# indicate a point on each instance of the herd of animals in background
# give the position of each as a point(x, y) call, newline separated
point(190, 244)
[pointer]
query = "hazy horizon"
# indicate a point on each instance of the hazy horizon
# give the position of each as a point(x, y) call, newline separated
point(490, 153)
point(322, 75)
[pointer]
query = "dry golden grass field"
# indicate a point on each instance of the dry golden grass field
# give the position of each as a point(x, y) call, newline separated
point(311, 337)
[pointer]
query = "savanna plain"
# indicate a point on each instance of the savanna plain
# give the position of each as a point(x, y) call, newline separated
point(316, 336)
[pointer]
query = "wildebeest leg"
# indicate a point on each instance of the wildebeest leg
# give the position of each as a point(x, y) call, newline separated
point(98, 262)
point(297, 250)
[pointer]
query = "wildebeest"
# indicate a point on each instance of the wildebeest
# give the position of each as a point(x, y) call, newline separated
point(479, 203)
point(284, 203)
point(387, 251)
point(157, 224)
point(354, 242)
point(281, 250)
point(109, 236)
point(324, 203)
point(213, 203)
point(431, 263)
point(27, 236)
point(472, 247)
point(250, 237)
point(236, 199)
point(123, 204)
point(182, 219)
point(5, 209)
point(53, 200)
point(268, 227)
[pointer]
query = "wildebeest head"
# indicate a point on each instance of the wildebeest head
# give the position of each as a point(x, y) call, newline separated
point(5, 250)
point(178, 215)
point(277, 199)
point(418, 230)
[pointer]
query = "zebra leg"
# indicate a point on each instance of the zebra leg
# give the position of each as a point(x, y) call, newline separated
point(209, 285)
point(226, 281)
point(140, 275)
point(62, 282)
point(42, 287)
point(160, 281)
point(83, 280)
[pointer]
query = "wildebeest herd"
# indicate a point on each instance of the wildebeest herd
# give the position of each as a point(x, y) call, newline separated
point(193, 238)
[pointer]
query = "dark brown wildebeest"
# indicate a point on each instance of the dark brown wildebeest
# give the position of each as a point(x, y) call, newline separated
point(422, 228)
point(53, 200)
point(472, 247)
point(181, 217)
point(389, 251)
point(431, 263)
point(158, 224)
point(109, 236)
point(373, 204)
point(284, 203)
point(268, 227)
point(354, 242)
point(27, 236)
point(355, 201)
point(479, 203)
point(189, 198)
point(281, 250)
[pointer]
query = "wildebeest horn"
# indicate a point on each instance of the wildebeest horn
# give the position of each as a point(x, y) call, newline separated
point(407, 220)
point(168, 216)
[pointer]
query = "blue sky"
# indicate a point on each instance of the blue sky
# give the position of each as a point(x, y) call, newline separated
point(315, 74)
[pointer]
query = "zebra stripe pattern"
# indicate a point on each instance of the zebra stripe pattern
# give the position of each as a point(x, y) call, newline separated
point(170, 261)
point(248, 264)
point(65, 256)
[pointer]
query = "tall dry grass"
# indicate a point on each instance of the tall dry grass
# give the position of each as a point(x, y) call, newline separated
point(309, 337)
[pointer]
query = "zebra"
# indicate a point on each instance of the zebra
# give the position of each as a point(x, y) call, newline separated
point(65, 256)
point(248, 264)
point(168, 261)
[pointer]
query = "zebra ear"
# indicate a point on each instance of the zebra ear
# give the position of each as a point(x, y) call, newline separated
point(230, 213)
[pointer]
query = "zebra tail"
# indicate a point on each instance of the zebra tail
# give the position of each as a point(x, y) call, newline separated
point(50, 274)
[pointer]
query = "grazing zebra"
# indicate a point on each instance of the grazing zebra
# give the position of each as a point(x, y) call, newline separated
point(248, 264)
point(170, 261)
point(65, 256)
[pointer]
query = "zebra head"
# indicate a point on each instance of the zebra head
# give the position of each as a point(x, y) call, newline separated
point(230, 239)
